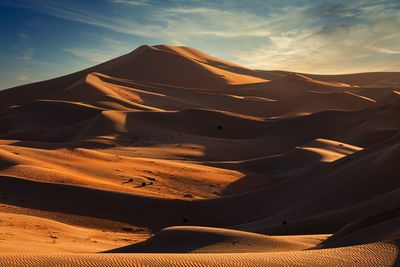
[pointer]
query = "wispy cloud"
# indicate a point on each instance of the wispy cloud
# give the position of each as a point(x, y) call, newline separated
point(26, 54)
point(201, 21)
point(191, 10)
point(163, 22)
point(77, 14)
point(346, 37)
point(23, 37)
point(386, 50)
point(315, 36)
point(131, 2)
point(89, 54)
point(110, 49)
point(338, 49)
point(21, 77)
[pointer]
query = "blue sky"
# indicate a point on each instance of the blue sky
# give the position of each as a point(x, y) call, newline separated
point(41, 39)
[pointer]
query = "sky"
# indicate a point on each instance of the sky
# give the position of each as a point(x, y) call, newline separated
point(42, 39)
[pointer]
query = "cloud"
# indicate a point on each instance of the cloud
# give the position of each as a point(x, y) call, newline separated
point(110, 48)
point(386, 50)
point(131, 2)
point(191, 10)
point(89, 54)
point(26, 54)
point(21, 77)
point(23, 37)
point(314, 36)
point(77, 14)
point(164, 22)
point(337, 49)
point(212, 22)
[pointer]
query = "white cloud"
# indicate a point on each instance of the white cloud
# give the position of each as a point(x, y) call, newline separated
point(212, 22)
point(386, 50)
point(89, 54)
point(191, 10)
point(131, 2)
point(110, 49)
point(72, 13)
point(315, 37)
point(339, 49)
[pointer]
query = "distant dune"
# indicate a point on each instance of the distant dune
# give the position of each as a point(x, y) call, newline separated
point(167, 156)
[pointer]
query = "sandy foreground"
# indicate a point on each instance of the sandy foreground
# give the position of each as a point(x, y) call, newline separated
point(167, 156)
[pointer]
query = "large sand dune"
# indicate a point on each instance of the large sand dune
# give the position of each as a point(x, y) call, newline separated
point(167, 156)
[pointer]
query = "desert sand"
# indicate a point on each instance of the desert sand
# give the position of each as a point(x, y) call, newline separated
point(167, 156)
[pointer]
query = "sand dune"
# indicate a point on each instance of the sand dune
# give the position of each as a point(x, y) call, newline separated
point(299, 159)
point(24, 234)
point(194, 73)
point(169, 156)
point(381, 254)
point(196, 239)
